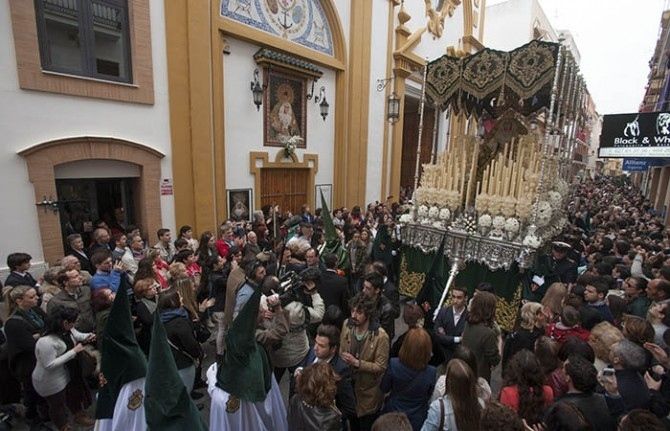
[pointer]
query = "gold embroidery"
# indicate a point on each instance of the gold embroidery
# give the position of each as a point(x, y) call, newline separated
point(233, 404)
point(135, 400)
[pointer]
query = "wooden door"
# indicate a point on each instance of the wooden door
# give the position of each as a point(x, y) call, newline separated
point(410, 139)
point(287, 188)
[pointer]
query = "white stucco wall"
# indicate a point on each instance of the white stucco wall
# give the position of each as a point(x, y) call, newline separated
point(510, 24)
point(376, 118)
point(28, 118)
point(344, 11)
point(244, 124)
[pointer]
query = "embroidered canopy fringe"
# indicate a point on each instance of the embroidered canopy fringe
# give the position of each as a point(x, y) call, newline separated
point(494, 81)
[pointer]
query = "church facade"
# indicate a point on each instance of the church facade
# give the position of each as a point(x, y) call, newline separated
point(274, 101)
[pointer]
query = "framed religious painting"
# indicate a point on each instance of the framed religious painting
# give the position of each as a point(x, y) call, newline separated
point(285, 105)
point(240, 202)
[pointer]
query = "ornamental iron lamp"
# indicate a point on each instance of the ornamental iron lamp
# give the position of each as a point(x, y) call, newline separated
point(257, 90)
point(393, 108)
point(323, 106)
point(48, 204)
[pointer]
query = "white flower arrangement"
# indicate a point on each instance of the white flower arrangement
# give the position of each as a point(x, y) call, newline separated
point(423, 211)
point(453, 199)
point(531, 240)
point(485, 220)
point(544, 213)
point(433, 212)
point(495, 204)
point(562, 187)
point(507, 206)
point(444, 214)
point(482, 202)
point(512, 225)
point(498, 222)
point(406, 218)
point(523, 207)
point(555, 199)
point(290, 144)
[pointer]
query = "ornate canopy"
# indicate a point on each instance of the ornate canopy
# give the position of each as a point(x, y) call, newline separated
point(520, 79)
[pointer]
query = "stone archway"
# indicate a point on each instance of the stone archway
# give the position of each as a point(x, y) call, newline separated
point(43, 158)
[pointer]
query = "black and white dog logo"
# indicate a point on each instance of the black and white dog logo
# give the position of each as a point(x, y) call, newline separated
point(632, 129)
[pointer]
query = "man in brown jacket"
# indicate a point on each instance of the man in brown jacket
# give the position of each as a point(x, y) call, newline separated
point(365, 347)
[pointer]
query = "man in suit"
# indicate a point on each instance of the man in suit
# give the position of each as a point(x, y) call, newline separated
point(326, 346)
point(76, 244)
point(332, 287)
point(450, 322)
point(101, 237)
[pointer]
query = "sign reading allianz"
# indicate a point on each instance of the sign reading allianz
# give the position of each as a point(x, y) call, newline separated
point(641, 134)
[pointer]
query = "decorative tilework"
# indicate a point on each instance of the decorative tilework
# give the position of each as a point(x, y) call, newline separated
point(301, 21)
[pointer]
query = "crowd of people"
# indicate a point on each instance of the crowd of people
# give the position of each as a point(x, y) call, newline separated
point(589, 350)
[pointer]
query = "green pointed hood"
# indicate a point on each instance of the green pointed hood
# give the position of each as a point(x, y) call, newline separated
point(382, 245)
point(168, 405)
point(328, 226)
point(245, 372)
point(332, 242)
point(122, 359)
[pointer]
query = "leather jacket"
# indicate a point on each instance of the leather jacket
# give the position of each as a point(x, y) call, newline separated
point(303, 417)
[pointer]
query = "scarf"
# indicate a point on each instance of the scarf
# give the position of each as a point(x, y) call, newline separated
point(168, 315)
point(32, 317)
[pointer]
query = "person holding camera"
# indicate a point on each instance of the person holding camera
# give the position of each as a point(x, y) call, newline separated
point(255, 273)
point(305, 307)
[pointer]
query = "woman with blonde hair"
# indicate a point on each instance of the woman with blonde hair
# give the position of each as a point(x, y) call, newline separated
point(603, 336)
point(24, 325)
point(177, 270)
point(313, 408)
point(530, 329)
point(553, 301)
point(186, 289)
point(459, 409)
point(409, 379)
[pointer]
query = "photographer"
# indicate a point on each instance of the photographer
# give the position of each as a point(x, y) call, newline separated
point(304, 306)
point(255, 273)
point(272, 322)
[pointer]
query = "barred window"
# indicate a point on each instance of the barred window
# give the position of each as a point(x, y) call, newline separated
point(85, 37)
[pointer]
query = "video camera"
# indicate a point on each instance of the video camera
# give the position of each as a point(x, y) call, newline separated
point(292, 287)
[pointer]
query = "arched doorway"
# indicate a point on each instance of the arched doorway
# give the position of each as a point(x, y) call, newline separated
point(60, 158)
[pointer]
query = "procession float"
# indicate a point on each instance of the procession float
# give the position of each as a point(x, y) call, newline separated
point(497, 194)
